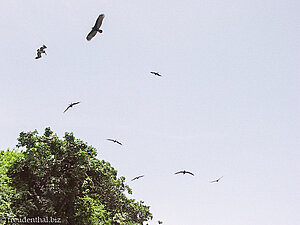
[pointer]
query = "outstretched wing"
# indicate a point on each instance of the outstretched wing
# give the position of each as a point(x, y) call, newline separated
point(178, 172)
point(118, 142)
point(75, 103)
point(99, 21)
point(110, 139)
point(91, 35)
point(67, 108)
point(43, 47)
point(189, 173)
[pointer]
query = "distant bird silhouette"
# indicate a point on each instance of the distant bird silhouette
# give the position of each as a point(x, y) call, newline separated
point(138, 177)
point(217, 180)
point(114, 140)
point(40, 51)
point(96, 27)
point(71, 105)
point(184, 172)
point(156, 73)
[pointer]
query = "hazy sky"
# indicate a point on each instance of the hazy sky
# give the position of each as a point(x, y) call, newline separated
point(226, 105)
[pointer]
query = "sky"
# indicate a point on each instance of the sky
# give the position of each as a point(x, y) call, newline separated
point(227, 103)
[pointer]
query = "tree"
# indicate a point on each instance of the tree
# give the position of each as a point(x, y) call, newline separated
point(62, 178)
point(7, 192)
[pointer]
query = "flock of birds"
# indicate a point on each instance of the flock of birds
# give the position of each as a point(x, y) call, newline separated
point(90, 36)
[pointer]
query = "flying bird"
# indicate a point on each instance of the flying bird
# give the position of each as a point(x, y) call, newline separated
point(39, 52)
point(156, 74)
point(114, 140)
point(184, 172)
point(96, 27)
point(217, 180)
point(71, 105)
point(138, 177)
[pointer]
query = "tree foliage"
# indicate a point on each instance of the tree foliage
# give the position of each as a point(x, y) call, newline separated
point(7, 192)
point(62, 178)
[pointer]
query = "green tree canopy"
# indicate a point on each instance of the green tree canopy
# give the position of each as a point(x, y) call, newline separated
point(7, 192)
point(62, 178)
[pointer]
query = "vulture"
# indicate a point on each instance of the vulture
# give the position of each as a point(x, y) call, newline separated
point(184, 172)
point(40, 51)
point(217, 180)
point(95, 28)
point(156, 74)
point(138, 177)
point(114, 140)
point(71, 105)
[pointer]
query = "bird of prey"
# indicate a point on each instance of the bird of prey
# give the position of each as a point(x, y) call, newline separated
point(184, 172)
point(156, 74)
point(138, 177)
point(71, 105)
point(39, 52)
point(95, 28)
point(114, 140)
point(217, 180)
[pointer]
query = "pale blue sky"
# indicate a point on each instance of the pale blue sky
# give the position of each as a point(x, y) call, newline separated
point(227, 104)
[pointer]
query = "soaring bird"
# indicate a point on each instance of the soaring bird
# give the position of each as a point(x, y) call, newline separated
point(71, 105)
point(114, 140)
point(156, 73)
point(39, 52)
point(138, 177)
point(95, 28)
point(184, 172)
point(217, 180)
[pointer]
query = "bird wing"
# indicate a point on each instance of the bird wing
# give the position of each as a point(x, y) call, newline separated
point(189, 173)
point(39, 54)
point(219, 178)
point(43, 47)
point(75, 103)
point(99, 21)
point(110, 139)
point(91, 35)
point(178, 172)
point(67, 108)
point(119, 142)
point(134, 178)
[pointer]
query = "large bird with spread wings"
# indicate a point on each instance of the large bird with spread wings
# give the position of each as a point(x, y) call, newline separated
point(184, 172)
point(71, 105)
point(217, 180)
point(114, 140)
point(138, 177)
point(39, 52)
point(96, 27)
point(156, 73)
